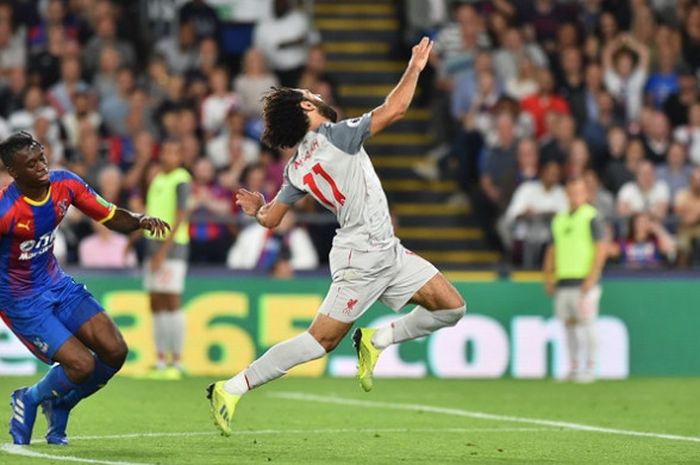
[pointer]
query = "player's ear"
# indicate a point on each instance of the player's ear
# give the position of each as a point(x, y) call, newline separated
point(307, 106)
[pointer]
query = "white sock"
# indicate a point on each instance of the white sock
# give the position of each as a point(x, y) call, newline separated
point(276, 362)
point(161, 336)
point(572, 341)
point(590, 344)
point(176, 329)
point(420, 322)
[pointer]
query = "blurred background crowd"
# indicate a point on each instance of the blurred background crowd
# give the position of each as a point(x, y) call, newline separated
point(523, 95)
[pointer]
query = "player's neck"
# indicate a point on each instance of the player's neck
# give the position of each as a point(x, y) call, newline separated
point(36, 193)
point(316, 121)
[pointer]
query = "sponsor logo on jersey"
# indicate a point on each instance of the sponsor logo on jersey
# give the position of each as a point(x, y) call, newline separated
point(353, 123)
point(24, 225)
point(33, 248)
point(62, 208)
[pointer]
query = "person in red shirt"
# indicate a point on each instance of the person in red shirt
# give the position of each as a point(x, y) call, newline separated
point(544, 101)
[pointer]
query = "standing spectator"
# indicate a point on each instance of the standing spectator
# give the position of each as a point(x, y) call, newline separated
point(687, 208)
point(676, 171)
point(179, 51)
point(253, 82)
point(625, 68)
point(218, 104)
point(166, 264)
point(573, 265)
point(645, 195)
point(284, 39)
point(211, 203)
point(544, 101)
point(202, 16)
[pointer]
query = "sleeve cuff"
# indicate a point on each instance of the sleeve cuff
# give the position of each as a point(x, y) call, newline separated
point(110, 215)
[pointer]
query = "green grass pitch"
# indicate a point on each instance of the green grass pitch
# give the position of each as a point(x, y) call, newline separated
point(430, 421)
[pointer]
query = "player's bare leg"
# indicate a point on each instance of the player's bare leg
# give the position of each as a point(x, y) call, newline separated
point(75, 367)
point(100, 335)
point(439, 305)
point(324, 335)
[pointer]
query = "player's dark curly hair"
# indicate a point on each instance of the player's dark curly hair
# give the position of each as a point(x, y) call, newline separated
point(13, 144)
point(286, 122)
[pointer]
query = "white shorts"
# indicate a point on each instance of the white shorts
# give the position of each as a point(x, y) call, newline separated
point(169, 279)
point(571, 304)
point(392, 276)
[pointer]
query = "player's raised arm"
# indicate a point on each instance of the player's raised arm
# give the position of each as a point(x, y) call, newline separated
point(268, 214)
point(127, 222)
point(399, 99)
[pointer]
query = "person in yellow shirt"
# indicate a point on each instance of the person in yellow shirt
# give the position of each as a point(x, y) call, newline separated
point(573, 263)
point(165, 266)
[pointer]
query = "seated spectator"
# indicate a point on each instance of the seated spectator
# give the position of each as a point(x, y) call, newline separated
point(595, 130)
point(253, 82)
point(619, 172)
point(45, 64)
point(156, 80)
point(179, 51)
point(82, 118)
point(687, 208)
point(284, 39)
point(676, 171)
point(579, 160)
point(599, 197)
point(105, 249)
point(644, 195)
point(23, 119)
point(105, 80)
point(515, 50)
point(544, 101)
point(220, 149)
point(524, 82)
point(625, 68)
point(315, 76)
point(664, 81)
point(258, 248)
point(647, 245)
point(677, 104)
point(62, 93)
point(206, 21)
point(657, 138)
point(218, 104)
point(12, 91)
point(211, 203)
point(90, 160)
point(106, 36)
point(115, 108)
point(13, 51)
point(689, 134)
point(208, 57)
point(527, 218)
point(564, 135)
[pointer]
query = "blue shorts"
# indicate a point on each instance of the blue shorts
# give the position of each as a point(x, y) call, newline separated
point(45, 322)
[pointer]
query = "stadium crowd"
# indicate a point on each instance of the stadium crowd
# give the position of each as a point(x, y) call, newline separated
point(103, 93)
point(527, 94)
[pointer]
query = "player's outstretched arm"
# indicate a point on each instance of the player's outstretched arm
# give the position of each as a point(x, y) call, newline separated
point(127, 222)
point(268, 214)
point(399, 99)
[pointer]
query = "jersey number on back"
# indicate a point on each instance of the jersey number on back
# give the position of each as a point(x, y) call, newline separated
point(311, 182)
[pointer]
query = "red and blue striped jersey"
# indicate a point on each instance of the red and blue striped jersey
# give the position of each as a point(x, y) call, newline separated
point(28, 266)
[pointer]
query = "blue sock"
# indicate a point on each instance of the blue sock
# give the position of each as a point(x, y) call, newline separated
point(99, 378)
point(54, 384)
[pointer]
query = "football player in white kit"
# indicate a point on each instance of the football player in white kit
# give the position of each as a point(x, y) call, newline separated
point(367, 261)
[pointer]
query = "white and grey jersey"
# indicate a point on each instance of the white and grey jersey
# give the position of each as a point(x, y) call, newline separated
point(331, 165)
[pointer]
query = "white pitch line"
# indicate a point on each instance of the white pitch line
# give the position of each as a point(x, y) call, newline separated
point(479, 415)
point(25, 452)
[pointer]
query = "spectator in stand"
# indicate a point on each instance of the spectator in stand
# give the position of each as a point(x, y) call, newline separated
point(675, 172)
point(544, 101)
point(620, 168)
point(253, 82)
point(678, 104)
point(284, 39)
point(689, 134)
point(499, 166)
point(115, 108)
point(524, 82)
point(211, 203)
point(34, 107)
point(644, 195)
point(106, 36)
point(89, 160)
point(578, 161)
point(599, 197)
point(218, 104)
point(687, 208)
point(657, 138)
point(12, 91)
point(208, 58)
point(316, 78)
point(595, 131)
point(82, 118)
point(223, 149)
point(543, 18)
point(105, 79)
point(179, 51)
point(202, 16)
point(507, 59)
point(572, 82)
point(527, 218)
point(527, 169)
point(157, 80)
point(691, 38)
point(13, 52)
point(45, 62)
point(664, 81)
point(558, 149)
point(62, 93)
point(105, 249)
point(625, 69)
point(647, 245)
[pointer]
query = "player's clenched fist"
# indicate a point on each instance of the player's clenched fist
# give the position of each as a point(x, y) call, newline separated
point(250, 202)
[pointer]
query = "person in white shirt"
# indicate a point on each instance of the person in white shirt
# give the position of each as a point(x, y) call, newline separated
point(645, 195)
point(689, 134)
point(625, 69)
point(217, 105)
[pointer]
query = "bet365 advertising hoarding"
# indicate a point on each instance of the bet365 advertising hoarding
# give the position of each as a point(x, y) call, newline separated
point(646, 328)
